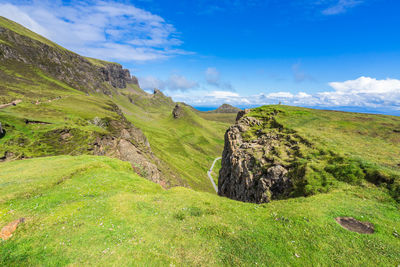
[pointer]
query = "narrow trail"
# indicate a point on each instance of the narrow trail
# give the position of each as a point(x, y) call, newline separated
point(209, 174)
point(14, 103)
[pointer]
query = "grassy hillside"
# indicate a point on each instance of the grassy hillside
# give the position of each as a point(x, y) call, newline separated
point(51, 107)
point(321, 147)
point(9, 24)
point(188, 144)
point(82, 209)
point(129, 220)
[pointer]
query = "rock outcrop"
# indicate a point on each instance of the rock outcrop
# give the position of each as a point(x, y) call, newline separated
point(8, 230)
point(178, 112)
point(128, 143)
point(73, 69)
point(250, 172)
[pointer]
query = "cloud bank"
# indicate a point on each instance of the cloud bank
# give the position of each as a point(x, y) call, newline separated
point(213, 77)
point(175, 82)
point(364, 92)
point(100, 29)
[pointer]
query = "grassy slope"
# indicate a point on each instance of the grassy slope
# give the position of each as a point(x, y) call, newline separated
point(127, 220)
point(221, 117)
point(20, 81)
point(6, 23)
point(188, 144)
point(72, 112)
point(345, 146)
point(371, 137)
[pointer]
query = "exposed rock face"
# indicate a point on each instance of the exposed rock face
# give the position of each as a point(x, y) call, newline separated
point(62, 64)
point(226, 108)
point(1, 130)
point(242, 113)
point(128, 143)
point(248, 171)
point(178, 112)
point(115, 75)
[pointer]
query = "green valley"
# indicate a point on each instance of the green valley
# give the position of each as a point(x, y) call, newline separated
point(96, 171)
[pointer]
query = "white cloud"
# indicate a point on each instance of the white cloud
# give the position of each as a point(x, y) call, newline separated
point(364, 92)
point(178, 82)
point(106, 30)
point(150, 83)
point(280, 95)
point(175, 82)
point(213, 77)
point(341, 7)
point(222, 94)
point(367, 85)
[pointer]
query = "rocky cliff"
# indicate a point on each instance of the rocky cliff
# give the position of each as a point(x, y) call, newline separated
point(78, 72)
point(37, 57)
point(256, 161)
point(126, 142)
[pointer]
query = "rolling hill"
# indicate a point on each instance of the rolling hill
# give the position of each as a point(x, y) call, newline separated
point(95, 171)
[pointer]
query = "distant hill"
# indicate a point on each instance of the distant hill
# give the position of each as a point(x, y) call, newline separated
point(226, 108)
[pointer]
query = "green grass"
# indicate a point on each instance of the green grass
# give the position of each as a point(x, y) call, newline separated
point(87, 210)
point(94, 211)
point(99, 62)
point(331, 146)
point(13, 26)
point(221, 117)
point(188, 145)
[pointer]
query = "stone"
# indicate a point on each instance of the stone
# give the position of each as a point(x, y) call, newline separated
point(8, 230)
point(242, 113)
point(247, 174)
point(178, 111)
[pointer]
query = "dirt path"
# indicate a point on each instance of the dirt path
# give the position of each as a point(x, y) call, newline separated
point(209, 174)
point(14, 103)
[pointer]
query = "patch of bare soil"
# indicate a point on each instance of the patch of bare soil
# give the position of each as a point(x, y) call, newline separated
point(354, 225)
point(10, 228)
point(14, 103)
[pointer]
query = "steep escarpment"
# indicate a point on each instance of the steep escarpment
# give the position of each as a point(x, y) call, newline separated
point(78, 72)
point(251, 170)
point(126, 142)
point(58, 114)
point(264, 159)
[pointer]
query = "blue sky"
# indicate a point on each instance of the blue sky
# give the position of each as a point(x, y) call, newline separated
point(321, 53)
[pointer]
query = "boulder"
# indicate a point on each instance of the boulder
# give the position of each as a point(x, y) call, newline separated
point(248, 172)
point(178, 111)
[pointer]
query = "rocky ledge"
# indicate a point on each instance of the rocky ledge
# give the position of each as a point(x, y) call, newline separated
point(77, 71)
point(250, 172)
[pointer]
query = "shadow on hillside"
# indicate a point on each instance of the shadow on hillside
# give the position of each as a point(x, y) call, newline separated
point(3, 134)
